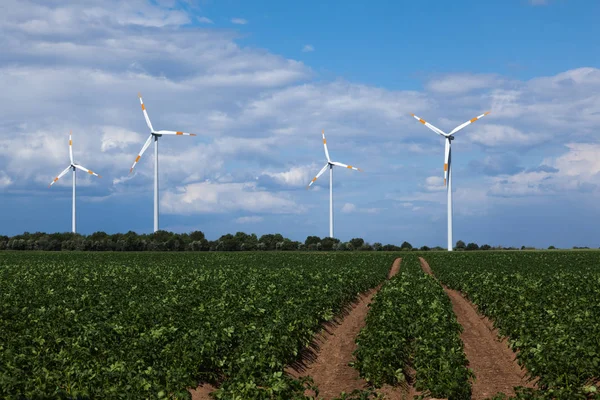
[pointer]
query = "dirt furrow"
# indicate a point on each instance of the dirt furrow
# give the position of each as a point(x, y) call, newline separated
point(490, 358)
point(329, 365)
point(330, 370)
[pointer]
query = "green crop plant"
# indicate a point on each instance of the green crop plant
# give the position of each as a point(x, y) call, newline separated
point(152, 325)
point(411, 327)
point(546, 303)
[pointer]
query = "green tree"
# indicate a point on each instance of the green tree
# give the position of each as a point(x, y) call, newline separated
point(460, 245)
point(271, 240)
point(327, 243)
point(227, 242)
point(357, 243)
point(406, 246)
point(312, 240)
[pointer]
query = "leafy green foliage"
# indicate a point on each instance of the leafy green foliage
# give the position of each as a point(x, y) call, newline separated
point(547, 303)
point(151, 325)
point(411, 325)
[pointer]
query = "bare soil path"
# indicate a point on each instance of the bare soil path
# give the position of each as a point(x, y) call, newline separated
point(490, 358)
point(330, 370)
point(328, 366)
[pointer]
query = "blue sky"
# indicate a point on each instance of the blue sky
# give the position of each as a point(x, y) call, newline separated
point(258, 81)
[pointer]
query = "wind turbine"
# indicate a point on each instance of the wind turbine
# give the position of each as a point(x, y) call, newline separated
point(73, 166)
point(154, 135)
point(330, 165)
point(448, 163)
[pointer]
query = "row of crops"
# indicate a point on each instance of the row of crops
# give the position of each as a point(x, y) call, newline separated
point(547, 303)
point(142, 325)
point(412, 336)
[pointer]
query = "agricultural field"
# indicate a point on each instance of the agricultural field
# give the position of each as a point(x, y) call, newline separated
point(155, 325)
point(547, 303)
point(152, 325)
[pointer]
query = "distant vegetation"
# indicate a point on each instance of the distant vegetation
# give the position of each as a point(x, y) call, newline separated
point(196, 241)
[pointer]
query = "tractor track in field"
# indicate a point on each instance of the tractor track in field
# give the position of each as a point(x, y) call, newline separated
point(328, 366)
point(490, 357)
point(326, 359)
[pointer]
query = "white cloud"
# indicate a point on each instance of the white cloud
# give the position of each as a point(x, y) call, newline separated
point(239, 21)
point(249, 220)
point(348, 208)
point(308, 48)
point(351, 208)
point(581, 160)
point(209, 197)
point(114, 137)
point(492, 135)
point(434, 184)
point(462, 83)
point(294, 177)
point(5, 180)
point(577, 170)
point(205, 20)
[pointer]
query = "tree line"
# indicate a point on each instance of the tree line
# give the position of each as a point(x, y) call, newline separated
point(196, 241)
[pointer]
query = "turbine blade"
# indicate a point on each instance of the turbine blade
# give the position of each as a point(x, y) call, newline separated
point(339, 164)
point(458, 128)
point(87, 170)
point(318, 175)
point(145, 113)
point(174, 133)
point(71, 146)
point(446, 159)
point(325, 146)
point(148, 141)
point(60, 176)
point(427, 124)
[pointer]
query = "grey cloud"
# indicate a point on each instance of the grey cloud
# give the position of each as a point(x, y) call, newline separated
point(496, 165)
point(542, 168)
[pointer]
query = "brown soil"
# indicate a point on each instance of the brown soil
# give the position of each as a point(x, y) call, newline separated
point(329, 367)
point(327, 364)
point(490, 358)
point(202, 392)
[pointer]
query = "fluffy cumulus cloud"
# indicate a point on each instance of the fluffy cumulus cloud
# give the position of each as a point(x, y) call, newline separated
point(214, 197)
point(576, 171)
point(462, 83)
point(258, 116)
point(294, 177)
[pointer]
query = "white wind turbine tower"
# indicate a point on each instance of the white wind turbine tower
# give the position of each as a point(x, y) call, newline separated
point(330, 165)
point(448, 163)
point(74, 167)
point(154, 135)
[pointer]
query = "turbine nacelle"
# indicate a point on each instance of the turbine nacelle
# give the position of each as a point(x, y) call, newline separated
point(330, 164)
point(153, 134)
point(72, 165)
